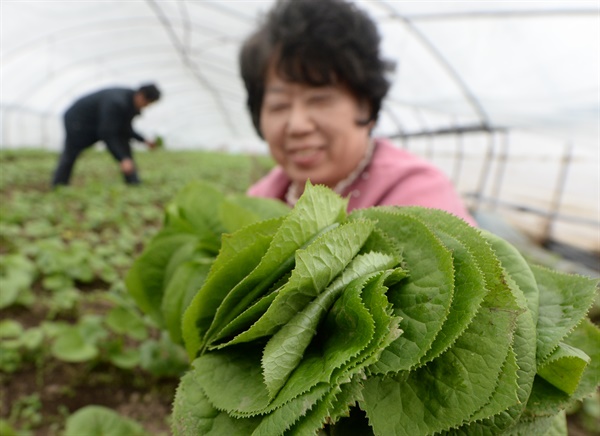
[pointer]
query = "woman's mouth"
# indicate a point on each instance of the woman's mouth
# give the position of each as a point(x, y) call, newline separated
point(306, 157)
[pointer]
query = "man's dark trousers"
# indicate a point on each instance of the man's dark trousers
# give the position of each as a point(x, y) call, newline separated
point(76, 141)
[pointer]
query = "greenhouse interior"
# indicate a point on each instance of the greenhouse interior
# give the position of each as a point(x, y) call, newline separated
point(503, 97)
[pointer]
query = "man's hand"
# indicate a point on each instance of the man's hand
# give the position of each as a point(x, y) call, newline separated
point(151, 144)
point(127, 166)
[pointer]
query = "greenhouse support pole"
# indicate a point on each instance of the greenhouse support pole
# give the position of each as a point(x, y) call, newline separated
point(405, 142)
point(430, 147)
point(44, 131)
point(485, 171)
point(5, 130)
point(558, 191)
point(500, 170)
point(458, 157)
point(429, 144)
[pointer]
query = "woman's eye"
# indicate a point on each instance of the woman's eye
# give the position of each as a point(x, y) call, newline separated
point(277, 107)
point(320, 98)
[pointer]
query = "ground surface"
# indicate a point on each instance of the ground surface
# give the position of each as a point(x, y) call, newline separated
point(63, 256)
point(110, 223)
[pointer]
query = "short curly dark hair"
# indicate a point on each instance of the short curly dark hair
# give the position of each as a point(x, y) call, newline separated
point(316, 42)
point(150, 92)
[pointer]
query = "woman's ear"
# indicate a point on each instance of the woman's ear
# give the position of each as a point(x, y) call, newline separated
point(364, 115)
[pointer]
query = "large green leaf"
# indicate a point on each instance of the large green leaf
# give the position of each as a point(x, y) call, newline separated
point(316, 266)
point(448, 390)
point(248, 317)
point(564, 301)
point(183, 254)
point(181, 289)
point(198, 204)
point(281, 419)
point(126, 358)
point(346, 331)
point(318, 210)
point(552, 425)
point(238, 211)
point(9, 328)
point(234, 217)
point(232, 378)
point(586, 337)
point(335, 376)
point(145, 279)
point(518, 269)
point(472, 239)
point(546, 399)
point(564, 368)
point(499, 262)
point(72, 346)
point(17, 274)
point(505, 391)
point(505, 412)
point(231, 243)
point(226, 272)
point(360, 265)
point(469, 292)
point(524, 344)
point(126, 322)
point(423, 300)
point(286, 348)
point(387, 324)
point(101, 421)
point(524, 351)
point(341, 413)
point(522, 283)
point(195, 415)
point(345, 388)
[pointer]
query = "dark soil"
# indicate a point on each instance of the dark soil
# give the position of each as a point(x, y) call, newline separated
point(64, 388)
point(43, 392)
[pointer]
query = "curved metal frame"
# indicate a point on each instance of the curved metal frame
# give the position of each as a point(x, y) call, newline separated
point(442, 61)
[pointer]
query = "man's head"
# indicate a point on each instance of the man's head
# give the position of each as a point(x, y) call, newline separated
point(145, 95)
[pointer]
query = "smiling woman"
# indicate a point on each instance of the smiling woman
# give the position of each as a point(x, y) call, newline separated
point(315, 81)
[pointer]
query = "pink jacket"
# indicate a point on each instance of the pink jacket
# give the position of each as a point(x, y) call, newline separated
point(394, 177)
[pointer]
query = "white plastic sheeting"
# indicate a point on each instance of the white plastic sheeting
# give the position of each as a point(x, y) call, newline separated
point(525, 74)
point(531, 65)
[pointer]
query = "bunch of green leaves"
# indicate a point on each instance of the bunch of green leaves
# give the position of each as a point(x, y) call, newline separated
point(159, 141)
point(391, 321)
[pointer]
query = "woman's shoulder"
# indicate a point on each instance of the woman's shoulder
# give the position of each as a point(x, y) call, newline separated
point(273, 185)
point(390, 153)
point(390, 160)
point(399, 177)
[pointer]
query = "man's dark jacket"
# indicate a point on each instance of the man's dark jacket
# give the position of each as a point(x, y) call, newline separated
point(106, 116)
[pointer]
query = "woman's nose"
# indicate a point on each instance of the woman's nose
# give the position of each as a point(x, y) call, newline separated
point(300, 120)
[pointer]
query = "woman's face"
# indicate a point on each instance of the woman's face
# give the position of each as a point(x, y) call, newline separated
point(312, 132)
